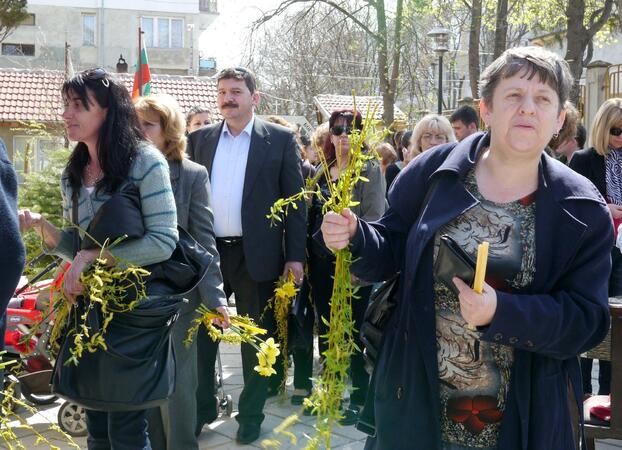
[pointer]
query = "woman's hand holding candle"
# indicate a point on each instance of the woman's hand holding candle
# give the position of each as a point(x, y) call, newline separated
point(479, 304)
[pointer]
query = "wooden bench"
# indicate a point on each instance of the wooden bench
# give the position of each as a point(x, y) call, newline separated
point(609, 350)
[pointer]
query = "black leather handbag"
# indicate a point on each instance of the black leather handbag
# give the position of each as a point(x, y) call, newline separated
point(381, 304)
point(137, 370)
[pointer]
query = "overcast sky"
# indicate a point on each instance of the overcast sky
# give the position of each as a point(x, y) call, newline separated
point(226, 36)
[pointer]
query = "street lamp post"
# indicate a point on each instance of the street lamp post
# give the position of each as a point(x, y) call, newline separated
point(441, 46)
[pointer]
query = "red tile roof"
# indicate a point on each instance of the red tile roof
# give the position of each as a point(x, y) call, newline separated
point(33, 94)
point(327, 103)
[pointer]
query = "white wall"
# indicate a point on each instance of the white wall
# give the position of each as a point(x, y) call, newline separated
point(178, 6)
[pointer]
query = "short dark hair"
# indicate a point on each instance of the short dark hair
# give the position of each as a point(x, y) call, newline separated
point(198, 109)
point(550, 68)
point(406, 139)
point(238, 73)
point(119, 136)
point(581, 136)
point(465, 114)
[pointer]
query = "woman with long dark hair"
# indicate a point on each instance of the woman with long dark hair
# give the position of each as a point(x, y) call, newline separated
point(110, 153)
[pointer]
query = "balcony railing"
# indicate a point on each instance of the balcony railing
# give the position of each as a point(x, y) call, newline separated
point(209, 6)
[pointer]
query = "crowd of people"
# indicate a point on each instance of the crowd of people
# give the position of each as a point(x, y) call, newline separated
point(457, 369)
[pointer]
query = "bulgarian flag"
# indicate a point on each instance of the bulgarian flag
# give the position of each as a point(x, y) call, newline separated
point(146, 76)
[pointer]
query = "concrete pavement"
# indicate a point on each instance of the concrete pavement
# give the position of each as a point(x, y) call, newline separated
point(221, 433)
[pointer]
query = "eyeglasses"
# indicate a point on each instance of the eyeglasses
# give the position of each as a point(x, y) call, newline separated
point(338, 130)
point(615, 131)
point(97, 74)
point(437, 137)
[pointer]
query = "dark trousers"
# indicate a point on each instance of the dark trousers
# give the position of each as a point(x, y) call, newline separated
point(321, 271)
point(251, 298)
point(604, 367)
point(117, 430)
point(207, 403)
point(302, 351)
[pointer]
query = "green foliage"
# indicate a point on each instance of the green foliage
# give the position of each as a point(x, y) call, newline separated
point(40, 192)
point(326, 398)
point(12, 12)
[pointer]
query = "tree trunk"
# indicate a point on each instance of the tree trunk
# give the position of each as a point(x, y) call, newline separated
point(501, 29)
point(388, 96)
point(395, 67)
point(474, 34)
point(578, 38)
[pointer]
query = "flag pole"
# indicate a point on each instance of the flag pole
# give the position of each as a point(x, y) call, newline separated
point(140, 62)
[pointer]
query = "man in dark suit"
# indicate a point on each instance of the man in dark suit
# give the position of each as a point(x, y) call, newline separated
point(252, 163)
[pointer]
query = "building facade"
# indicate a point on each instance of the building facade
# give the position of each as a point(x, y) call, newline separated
point(100, 31)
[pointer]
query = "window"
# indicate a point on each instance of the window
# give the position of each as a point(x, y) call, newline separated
point(29, 20)
point(88, 30)
point(162, 32)
point(18, 49)
point(31, 153)
point(210, 6)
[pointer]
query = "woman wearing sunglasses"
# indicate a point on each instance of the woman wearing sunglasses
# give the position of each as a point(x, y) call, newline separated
point(371, 196)
point(602, 165)
point(110, 153)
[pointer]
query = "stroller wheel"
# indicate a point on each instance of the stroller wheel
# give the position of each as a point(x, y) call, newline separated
point(72, 420)
point(39, 399)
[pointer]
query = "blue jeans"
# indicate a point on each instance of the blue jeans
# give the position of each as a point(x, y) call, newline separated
point(117, 430)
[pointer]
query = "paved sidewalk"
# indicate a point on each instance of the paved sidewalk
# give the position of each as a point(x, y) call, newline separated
point(221, 433)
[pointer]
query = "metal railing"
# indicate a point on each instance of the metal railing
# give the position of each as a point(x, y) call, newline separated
point(613, 86)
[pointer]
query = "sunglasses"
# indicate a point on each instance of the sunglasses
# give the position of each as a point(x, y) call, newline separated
point(96, 74)
point(338, 130)
point(615, 131)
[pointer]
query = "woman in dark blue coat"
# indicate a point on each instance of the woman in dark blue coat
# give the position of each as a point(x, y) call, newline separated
point(439, 384)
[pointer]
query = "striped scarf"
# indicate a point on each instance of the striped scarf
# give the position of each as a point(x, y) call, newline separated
point(613, 175)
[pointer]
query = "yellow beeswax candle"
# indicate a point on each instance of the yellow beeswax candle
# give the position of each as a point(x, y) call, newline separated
point(480, 267)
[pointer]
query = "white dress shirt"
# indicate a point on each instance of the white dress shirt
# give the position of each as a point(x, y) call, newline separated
point(227, 178)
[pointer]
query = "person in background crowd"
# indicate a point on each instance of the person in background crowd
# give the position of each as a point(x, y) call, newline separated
point(308, 150)
point(318, 140)
point(393, 169)
point(396, 141)
point(110, 151)
point(371, 196)
point(13, 254)
point(429, 132)
point(602, 165)
point(387, 155)
point(461, 370)
point(173, 425)
point(198, 116)
point(252, 163)
point(571, 134)
point(464, 121)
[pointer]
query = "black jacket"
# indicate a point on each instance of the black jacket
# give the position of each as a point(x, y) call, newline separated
point(592, 166)
point(573, 241)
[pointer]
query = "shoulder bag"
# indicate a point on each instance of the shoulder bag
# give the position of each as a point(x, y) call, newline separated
point(137, 370)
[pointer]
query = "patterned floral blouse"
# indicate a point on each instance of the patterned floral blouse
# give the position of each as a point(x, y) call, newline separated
point(474, 375)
